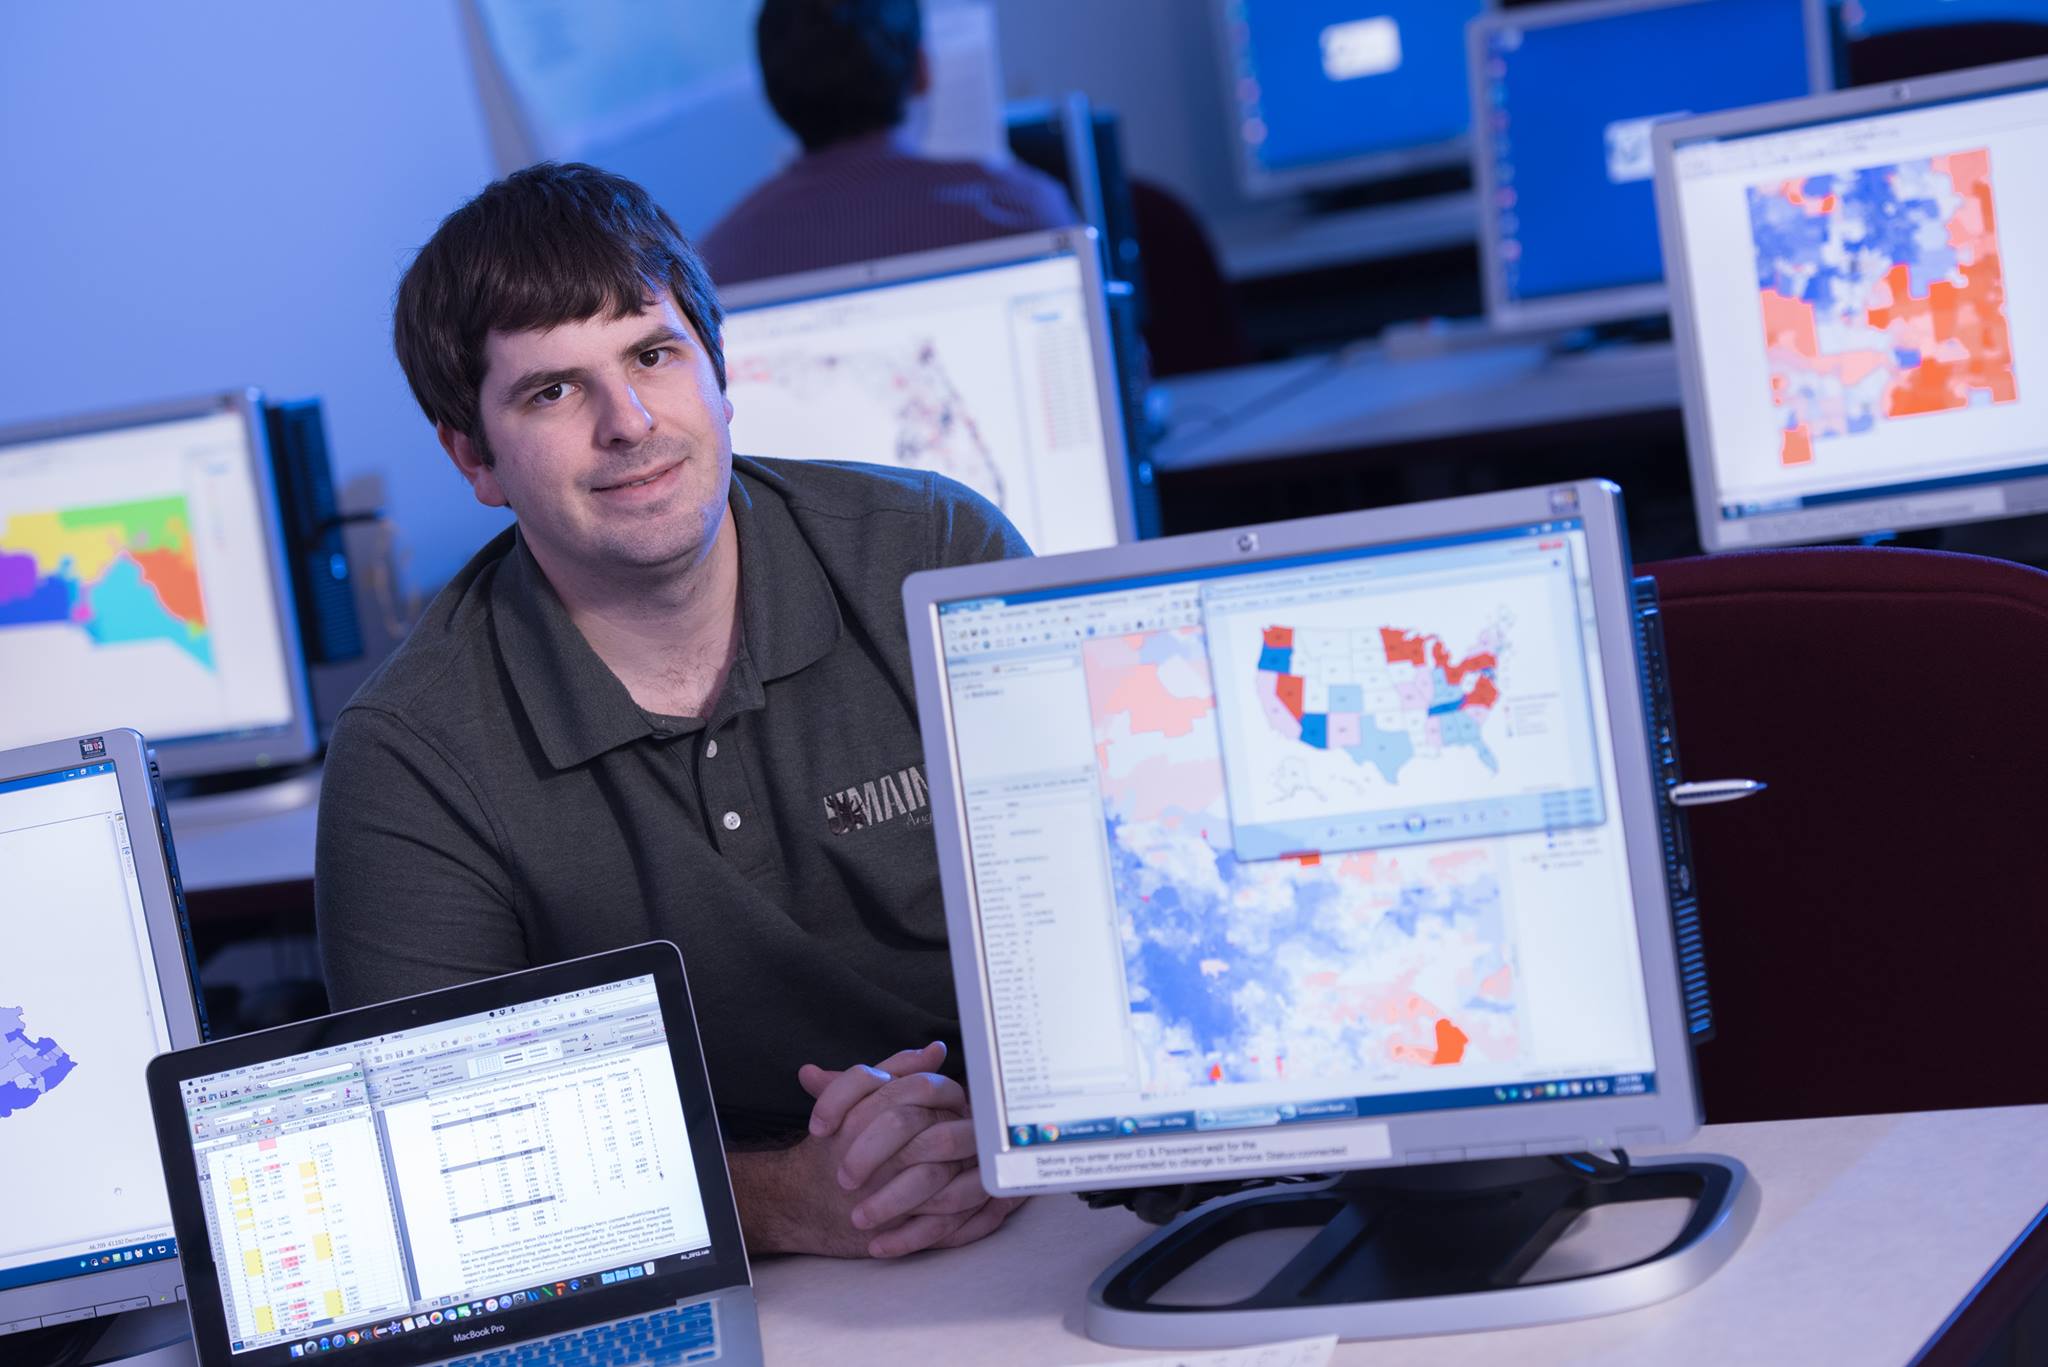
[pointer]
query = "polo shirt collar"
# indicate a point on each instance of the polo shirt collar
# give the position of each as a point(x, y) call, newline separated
point(789, 613)
point(579, 709)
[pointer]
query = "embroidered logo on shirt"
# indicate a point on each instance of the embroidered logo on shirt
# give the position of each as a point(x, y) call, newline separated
point(902, 793)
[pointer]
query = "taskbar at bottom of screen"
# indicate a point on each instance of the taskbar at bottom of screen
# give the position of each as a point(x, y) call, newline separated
point(84, 1264)
point(1205, 1120)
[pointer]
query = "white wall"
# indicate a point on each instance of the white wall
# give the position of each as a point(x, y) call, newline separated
point(198, 197)
point(1155, 62)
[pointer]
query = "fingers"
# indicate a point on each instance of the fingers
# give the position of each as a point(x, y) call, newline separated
point(841, 1094)
point(927, 1090)
point(836, 1094)
point(944, 1141)
point(929, 1059)
point(901, 1113)
point(962, 1196)
point(813, 1079)
point(942, 1231)
point(918, 1232)
point(982, 1222)
point(913, 1189)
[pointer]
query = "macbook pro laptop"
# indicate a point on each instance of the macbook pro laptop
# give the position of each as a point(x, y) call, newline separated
point(525, 1169)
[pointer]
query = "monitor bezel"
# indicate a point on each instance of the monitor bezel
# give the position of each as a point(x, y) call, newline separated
point(177, 977)
point(1670, 1114)
point(726, 1267)
point(1081, 242)
point(1257, 181)
point(296, 739)
point(1784, 116)
point(1586, 307)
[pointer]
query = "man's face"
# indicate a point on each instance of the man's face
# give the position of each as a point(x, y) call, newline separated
point(609, 441)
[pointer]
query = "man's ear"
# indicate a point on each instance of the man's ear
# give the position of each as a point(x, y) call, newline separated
point(469, 459)
point(921, 78)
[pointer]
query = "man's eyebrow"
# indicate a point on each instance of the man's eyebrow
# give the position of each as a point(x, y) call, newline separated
point(539, 379)
point(662, 334)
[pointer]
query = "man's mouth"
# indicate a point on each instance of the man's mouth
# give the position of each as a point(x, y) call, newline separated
point(639, 482)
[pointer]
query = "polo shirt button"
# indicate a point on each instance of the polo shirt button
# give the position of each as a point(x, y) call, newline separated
point(732, 821)
point(711, 749)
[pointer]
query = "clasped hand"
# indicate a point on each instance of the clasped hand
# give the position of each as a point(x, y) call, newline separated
point(889, 1163)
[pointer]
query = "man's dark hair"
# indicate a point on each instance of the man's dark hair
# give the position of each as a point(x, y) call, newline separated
point(555, 243)
point(836, 69)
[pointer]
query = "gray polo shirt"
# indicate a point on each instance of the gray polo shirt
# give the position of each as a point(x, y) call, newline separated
point(495, 799)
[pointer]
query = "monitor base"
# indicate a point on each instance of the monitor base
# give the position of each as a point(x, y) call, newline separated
point(1433, 1249)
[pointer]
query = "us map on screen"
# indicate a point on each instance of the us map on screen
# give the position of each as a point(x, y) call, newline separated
point(1883, 298)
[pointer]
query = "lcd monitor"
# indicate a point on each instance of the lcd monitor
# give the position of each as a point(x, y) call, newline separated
point(96, 978)
point(143, 584)
point(1331, 92)
point(1565, 97)
point(1310, 847)
point(1860, 307)
point(989, 363)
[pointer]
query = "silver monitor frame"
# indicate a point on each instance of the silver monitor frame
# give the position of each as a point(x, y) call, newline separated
point(2021, 496)
point(1258, 182)
point(156, 1283)
point(296, 739)
point(1670, 1114)
point(1082, 243)
point(1615, 303)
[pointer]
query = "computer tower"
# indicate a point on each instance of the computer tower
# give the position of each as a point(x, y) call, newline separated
point(323, 591)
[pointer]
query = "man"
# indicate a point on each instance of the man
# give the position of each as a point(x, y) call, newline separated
point(841, 74)
point(674, 701)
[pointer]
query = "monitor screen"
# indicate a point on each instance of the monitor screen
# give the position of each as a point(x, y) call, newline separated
point(489, 1163)
point(142, 585)
point(1259, 851)
point(1862, 311)
point(1868, 18)
point(1328, 91)
point(1568, 95)
point(997, 375)
point(85, 1003)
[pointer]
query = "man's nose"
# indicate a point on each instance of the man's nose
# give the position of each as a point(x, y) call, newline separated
point(622, 419)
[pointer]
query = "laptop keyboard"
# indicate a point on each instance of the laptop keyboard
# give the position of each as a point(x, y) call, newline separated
point(684, 1334)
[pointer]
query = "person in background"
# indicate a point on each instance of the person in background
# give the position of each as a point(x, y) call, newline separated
point(672, 701)
point(841, 74)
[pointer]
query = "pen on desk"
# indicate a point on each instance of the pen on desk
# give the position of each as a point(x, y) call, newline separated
point(1710, 791)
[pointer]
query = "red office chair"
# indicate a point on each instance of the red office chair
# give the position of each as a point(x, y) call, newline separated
point(1876, 924)
point(1192, 322)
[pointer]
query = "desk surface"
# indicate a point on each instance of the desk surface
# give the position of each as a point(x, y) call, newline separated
point(1366, 396)
point(257, 835)
point(1872, 1231)
point(1286, 238)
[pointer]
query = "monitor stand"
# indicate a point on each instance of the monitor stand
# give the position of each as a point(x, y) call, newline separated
point(1432, 1249)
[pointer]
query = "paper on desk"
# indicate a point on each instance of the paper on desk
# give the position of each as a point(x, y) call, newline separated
point(1293, 1353)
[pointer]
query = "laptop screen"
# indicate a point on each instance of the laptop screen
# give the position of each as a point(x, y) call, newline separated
point(84, 1003)
point(469, 1167)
